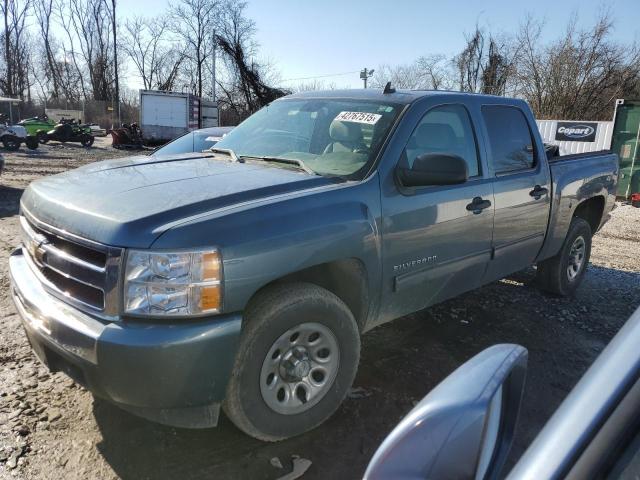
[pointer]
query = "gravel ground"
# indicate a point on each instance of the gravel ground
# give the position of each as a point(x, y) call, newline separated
point(51, 428)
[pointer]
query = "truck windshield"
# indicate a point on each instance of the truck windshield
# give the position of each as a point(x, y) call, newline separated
point(332, 137)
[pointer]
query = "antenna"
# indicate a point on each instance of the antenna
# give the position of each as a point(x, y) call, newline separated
point(388, 88)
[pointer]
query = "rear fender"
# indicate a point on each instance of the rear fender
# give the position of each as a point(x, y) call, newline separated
point(574, 182)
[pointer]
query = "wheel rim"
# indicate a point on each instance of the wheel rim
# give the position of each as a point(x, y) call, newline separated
point(299, 368)
point(576, 258)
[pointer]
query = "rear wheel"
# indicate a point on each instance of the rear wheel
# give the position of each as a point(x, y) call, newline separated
point(42, 137)
point(297, 358)
point(87, 140)
point(11, 142)
point(563, 273)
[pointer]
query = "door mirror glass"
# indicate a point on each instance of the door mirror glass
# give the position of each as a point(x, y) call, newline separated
point(464, 427)
point(434, 169)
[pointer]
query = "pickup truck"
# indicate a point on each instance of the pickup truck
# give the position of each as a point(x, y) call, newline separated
point(243, 278)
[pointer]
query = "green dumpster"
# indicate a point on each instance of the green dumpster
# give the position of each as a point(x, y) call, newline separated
point(625, 142)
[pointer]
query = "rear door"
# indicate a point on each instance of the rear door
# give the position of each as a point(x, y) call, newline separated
point(521, 189)
point(436, 244)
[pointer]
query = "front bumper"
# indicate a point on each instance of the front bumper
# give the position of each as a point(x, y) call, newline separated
point(175, 374)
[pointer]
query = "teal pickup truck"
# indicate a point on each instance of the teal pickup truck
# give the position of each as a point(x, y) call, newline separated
point(244, 276)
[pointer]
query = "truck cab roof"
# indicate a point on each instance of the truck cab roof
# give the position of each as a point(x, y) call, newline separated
point(401, 96)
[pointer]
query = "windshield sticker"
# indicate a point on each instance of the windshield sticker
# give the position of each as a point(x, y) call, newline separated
point(359, 117)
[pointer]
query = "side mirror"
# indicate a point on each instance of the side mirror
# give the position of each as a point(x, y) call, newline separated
point(434, 169)
point(464, 427)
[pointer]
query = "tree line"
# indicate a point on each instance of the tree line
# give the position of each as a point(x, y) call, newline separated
point(576, 75)
point(66, 52)
point(62, 53)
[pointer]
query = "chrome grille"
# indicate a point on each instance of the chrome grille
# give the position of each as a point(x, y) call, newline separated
point(78, 271)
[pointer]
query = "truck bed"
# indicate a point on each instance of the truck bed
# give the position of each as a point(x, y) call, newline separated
point(554, 158)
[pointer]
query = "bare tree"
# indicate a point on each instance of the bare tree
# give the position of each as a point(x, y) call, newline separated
point(249, 86)
point(312, 85)
point(429, 72)
point(43, 11)
point(195, 22)
point(580, 74)
point(435, 71)
point(157, 62)
point(485, 65)
point(14, 77)
point(401, 76)
point(168, 73)
point(88, 25)
point(246, 86)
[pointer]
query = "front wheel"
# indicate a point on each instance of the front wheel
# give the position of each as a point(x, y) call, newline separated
point(297, 358)
point(10, 142)
point(563, 273)
point(32, 142)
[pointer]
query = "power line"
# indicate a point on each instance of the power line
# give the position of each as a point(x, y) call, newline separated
point(321, 76)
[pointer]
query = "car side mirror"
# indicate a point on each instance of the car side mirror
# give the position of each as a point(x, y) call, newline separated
point(434, 169)
point(464, 427)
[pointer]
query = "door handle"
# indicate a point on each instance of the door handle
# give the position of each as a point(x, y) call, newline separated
point(478, 204)
point(538, 192)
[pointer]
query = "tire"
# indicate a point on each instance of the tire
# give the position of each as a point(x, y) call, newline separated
point(273, 317)
point(42, 137)
point(31, 142)
point(11, 143)
point(561, 274)
point(87, 140)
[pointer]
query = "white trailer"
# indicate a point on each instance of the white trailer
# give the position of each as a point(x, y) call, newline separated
point(209, 114)
point(167, 115)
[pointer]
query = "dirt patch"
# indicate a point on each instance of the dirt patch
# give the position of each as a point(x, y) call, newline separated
point(51, 428)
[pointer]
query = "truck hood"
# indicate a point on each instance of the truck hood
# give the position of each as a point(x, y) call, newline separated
point(130, 202)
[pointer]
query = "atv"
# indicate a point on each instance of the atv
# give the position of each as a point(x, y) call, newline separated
point(38, 126)
point(12, 136)
point(70, 131)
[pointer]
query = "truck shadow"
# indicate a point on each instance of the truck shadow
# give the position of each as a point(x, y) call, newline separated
point(401, 362)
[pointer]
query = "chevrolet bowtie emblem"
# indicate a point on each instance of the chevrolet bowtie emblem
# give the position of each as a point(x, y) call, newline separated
point(36, 248)
point(39, 252)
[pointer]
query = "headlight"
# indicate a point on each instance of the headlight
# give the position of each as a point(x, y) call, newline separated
point(172, 283)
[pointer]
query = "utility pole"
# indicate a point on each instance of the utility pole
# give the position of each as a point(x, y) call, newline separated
point(214, 42)
point(365, 74)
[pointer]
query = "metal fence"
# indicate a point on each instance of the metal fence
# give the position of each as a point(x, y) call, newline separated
point(602, 141)
point(104, 113)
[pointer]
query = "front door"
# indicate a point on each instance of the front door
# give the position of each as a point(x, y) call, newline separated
point(436, 243)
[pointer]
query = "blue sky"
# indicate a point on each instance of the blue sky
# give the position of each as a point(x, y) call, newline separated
point(312, 38)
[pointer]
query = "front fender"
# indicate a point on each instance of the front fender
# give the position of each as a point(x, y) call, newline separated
point(268, 239)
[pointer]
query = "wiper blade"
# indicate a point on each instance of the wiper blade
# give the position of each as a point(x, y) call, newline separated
point(228, 151)
point(290, 161)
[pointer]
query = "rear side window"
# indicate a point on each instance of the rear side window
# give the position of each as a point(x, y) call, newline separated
point(445, 129)
point(511, 143)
